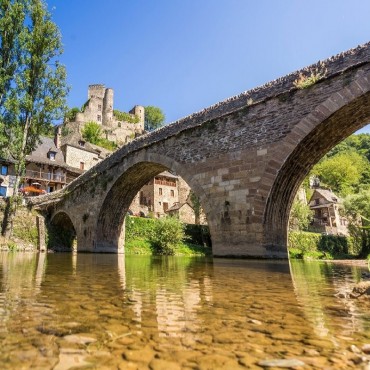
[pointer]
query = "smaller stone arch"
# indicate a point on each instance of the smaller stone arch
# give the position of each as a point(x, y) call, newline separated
point(62, 232)
point(110, 225)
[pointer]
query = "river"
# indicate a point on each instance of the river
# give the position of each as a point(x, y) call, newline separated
point(99, 311)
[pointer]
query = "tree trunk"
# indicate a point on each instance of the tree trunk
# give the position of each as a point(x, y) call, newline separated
point(14, 200)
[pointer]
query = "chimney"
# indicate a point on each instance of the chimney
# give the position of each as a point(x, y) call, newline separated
point(58, 137)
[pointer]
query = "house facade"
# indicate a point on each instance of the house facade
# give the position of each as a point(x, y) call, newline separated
point(327, 213)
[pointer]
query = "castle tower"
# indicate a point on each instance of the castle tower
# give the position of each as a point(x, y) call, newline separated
point(139, 111)
point(108, 107)
point(96, 91)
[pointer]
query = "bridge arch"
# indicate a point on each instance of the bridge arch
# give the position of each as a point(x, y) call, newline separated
point(63, 231)
point(327, 125)
point(110, 227)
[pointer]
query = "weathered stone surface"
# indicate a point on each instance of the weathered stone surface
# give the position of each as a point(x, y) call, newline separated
point(289, 363)
point(245, 161)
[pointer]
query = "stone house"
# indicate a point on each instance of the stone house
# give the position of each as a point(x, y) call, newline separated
point(327, 213)
point(184, 211)
point(157, 196)
point(7, 177)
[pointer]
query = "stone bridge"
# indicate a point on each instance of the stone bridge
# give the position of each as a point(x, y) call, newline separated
point(245, 159)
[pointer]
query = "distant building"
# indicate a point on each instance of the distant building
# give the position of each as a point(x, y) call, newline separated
point(119, 127)
point(327, 216)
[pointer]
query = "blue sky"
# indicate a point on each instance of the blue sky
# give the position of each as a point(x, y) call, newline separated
point(183, 56)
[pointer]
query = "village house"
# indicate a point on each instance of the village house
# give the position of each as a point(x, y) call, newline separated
point(327, 213)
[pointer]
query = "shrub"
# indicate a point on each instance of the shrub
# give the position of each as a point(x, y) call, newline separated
point(304, 81)
point(139, 228)
point(317, 246)
point(333, 244)
point(126, 117)
point(167, 235)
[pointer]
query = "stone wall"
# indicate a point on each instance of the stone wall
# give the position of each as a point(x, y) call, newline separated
point(74, 157)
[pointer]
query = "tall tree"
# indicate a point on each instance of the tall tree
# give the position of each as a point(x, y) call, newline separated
point(357, 209)
point(154, 118)
point(35, 95)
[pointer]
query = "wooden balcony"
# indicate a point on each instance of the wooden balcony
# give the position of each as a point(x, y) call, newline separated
point(46, 176)
point(164, 182)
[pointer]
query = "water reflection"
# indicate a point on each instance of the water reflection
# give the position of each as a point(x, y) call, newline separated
point(322, 291)
point(194, 311)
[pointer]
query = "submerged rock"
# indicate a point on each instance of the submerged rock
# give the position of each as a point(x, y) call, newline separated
point(287, 363)
point(361, 289)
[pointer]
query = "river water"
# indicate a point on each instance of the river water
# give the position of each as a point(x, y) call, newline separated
point(71, 311)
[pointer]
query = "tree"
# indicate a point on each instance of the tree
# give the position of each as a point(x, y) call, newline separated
point(71, 114)
point(357, 209)
point(300, 216)
point(342, 172)
point(35, 95)
point(197, 207)
point(92, 132)
point(154, 118)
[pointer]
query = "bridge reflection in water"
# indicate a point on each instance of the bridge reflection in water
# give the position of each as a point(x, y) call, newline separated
point(62, 310)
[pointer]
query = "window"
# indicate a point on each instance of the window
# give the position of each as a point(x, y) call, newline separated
point(172, 193)
point(50, 189)
point(165, 206)
point(99, 106)
point(82, 165)
point(160, 191)
point(3, 191)
point(4, 169)
point(317, 202)
point(119, 124)
point(51, 155)
point(81, 143)
point(99, 118)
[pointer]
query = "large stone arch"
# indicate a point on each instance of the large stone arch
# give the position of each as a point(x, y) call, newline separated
point(110, 227)
point(62, 223)
point(327, 125)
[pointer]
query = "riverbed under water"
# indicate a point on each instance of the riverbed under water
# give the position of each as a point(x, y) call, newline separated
point(98, 311)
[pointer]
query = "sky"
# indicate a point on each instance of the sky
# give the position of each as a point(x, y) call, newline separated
point(183, 56)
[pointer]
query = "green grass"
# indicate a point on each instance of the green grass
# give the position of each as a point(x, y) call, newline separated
point(141, 246)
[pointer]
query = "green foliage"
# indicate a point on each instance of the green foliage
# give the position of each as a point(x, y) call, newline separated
point(357, 210)
point(300, 216)
point(305, 81)
point(154, 118)
point(317, 246)
point(140, 235)
point(168, 233)
point(197, 207)
point(107, 144)
point(198, 234)
point(93, 134)
point(34, 94)
point(139, 228)
point(71, 114)
point(125, 117)
point(341, 172)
